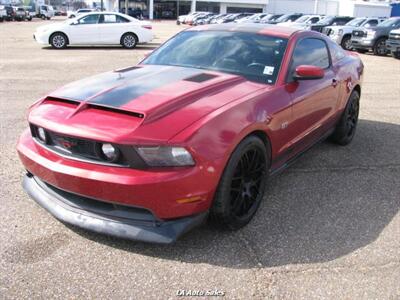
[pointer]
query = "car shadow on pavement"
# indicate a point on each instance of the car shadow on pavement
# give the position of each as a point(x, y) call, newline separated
point(142, 47)
point(331, 202)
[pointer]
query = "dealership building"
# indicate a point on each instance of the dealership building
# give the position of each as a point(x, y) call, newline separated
point(165, 9)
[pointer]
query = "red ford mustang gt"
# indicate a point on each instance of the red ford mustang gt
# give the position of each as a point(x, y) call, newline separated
point(195, 130)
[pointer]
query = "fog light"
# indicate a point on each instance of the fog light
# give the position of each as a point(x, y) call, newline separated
point(109, 152)
point(41, 134)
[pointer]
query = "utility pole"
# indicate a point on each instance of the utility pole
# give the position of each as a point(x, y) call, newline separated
point(102, 5)
point(315, 7)
point(126, 7)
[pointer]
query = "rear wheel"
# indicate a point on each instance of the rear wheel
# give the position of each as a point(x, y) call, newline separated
point(129, 40)
point(58, 40)
point(346, 127)
point(242, 185)
point(380, 47)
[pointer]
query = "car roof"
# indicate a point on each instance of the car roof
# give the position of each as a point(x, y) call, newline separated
point(274, 30)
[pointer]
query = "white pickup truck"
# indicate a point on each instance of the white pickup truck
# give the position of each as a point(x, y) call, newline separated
point(3, 13)
point(342, 34)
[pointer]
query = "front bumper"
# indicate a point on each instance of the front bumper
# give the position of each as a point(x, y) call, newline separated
point(105, 218)
point(393, 46)
point(167, 193)
point(41, 37)
point(366, 44)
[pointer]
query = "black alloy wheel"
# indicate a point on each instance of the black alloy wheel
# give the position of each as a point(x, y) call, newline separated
point(346, 127)
point(242, 185)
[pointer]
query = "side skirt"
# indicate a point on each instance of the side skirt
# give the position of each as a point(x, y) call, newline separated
point(276, 171)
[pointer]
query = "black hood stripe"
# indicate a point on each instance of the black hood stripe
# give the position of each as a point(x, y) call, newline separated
point(142, 85)
point(116, 89)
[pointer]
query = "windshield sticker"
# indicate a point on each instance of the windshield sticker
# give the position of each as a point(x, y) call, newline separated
point(268, 70)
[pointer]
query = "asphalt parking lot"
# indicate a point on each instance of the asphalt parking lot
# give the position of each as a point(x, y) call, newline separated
point(328, 228)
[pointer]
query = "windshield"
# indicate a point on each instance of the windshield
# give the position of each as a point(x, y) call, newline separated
point(254, 56)
point(283, 18)
point(390, 22)
point(356, 22)
point(325, 21)
point(302, 19)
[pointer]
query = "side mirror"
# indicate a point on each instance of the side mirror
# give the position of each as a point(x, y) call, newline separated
point(305, 72)
point(75, 22)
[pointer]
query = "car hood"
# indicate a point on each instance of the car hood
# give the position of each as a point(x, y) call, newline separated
point(140, 103)
point(336, 28)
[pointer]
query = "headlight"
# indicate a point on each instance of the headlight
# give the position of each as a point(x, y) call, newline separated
point(109, 152)
point(371, 33)
point(41, 134)
point(165, 156)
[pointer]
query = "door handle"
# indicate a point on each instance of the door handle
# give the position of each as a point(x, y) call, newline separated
point(334, 82)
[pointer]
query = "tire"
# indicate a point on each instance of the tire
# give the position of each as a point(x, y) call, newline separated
point(43, 17)
point(239, 194)
point(58, 40)
point(380, 47)
point(396, 55)
point(346, 43)
point(346, 127)
point(129, 40)
point(362, 51)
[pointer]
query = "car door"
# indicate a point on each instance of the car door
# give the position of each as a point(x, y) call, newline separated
point(112, 27)
point(85, 30)
point(313, 101)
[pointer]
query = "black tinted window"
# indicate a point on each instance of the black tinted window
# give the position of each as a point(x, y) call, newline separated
point(90, 19)
point(371, 23)
point(312, 52)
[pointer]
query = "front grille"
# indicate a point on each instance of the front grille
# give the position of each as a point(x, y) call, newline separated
point(327, 31)
point(318, 28)
point(394, 36)
point(358, 33)
point(87, 150)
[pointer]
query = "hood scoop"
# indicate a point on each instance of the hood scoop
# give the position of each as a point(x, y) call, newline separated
point(201, 77)
point(123, 70)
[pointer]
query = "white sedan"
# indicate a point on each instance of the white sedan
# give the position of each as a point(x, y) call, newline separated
point(96, 28)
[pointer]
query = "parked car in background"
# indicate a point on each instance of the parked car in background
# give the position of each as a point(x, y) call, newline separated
point(363, 40)
point(214, 20)
point(342, 34)
point(182, 18)
point(269, 18)
point(233, 17)
point(123, 153)
point(285, 18)
point(10, 13)
point(255, 18)
point(3, 13)
point(192, 21)
point(393, 43)
point(329, 21)
point(44, 12)
point(303, 22)
point(21, 14)
point(202, 20)
point(74, 14)
point(96, 28)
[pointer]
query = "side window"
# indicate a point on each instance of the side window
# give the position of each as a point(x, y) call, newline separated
point(337, 52)
point(371, 23)
point(121, 19)
point(109, 19)
point(90, 19)
point(313, 20)
point(310, 51)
